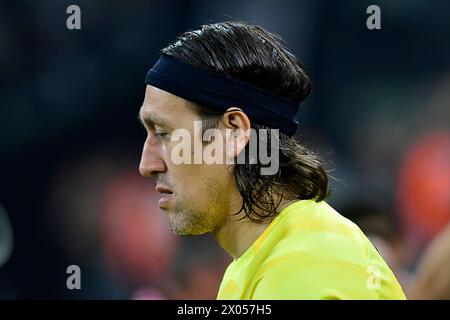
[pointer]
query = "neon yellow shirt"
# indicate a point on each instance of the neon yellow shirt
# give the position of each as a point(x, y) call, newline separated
point(310, 251)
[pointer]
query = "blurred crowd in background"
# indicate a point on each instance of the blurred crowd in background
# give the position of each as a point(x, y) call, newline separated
point(70, 141)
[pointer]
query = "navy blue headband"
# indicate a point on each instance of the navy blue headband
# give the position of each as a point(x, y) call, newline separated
point(220, 92)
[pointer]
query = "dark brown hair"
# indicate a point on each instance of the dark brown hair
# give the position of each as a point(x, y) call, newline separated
point(251, 54)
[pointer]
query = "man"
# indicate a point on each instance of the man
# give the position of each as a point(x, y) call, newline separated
point(269, 214)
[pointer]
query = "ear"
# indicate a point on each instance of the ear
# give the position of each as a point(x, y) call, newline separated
point(237, 131)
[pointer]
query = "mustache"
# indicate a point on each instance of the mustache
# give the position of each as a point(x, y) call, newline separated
point(163, 180)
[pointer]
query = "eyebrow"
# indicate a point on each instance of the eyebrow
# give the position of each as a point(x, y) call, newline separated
point(151, 119)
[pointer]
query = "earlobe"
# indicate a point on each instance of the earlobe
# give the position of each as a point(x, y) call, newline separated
point(236, 140)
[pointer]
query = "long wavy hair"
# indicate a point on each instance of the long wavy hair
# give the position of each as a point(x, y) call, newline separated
point(254, 55)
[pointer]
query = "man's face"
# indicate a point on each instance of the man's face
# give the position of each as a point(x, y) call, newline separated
point(195, 197)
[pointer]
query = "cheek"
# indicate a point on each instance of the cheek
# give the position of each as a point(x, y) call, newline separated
point(196, 180)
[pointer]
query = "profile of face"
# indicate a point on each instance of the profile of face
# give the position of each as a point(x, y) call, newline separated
point(196, 198)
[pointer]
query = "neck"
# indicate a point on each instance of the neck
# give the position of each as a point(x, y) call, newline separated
point(237, 235)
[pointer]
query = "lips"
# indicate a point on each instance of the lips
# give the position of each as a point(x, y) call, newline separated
point(166, 195)
point(163, 189)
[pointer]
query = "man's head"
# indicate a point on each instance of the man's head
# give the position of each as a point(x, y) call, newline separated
point(196, 197)
point(201, 197)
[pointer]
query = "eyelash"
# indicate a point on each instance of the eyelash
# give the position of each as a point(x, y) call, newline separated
point(161, 134)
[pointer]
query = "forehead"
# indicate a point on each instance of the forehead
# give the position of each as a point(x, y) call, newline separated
point(162, 105)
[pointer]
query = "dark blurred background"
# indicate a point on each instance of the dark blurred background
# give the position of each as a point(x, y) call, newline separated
point(70, 141)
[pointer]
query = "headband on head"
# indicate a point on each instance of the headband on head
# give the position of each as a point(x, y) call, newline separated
point(220, 92)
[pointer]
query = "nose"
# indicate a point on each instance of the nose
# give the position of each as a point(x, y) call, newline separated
point(152, 162)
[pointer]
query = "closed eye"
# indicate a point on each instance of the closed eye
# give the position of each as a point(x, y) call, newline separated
point(161, 134)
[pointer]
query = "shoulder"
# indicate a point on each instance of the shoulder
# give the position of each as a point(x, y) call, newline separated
point(319, 255)
point(314, 230)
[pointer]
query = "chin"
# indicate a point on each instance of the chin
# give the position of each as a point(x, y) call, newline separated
point(181, 229)
point(187, 231)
